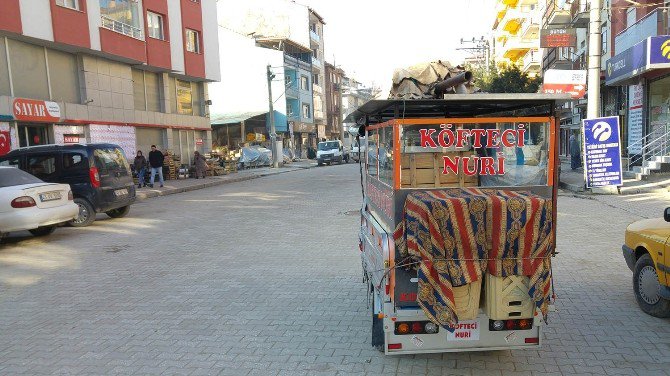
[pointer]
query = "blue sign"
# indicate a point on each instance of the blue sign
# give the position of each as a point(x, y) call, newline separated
point(626, 64)
point(659, 50)
point(602, 152)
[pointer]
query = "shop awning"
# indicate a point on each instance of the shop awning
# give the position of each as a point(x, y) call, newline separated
point(649, 54)
point(233, 118)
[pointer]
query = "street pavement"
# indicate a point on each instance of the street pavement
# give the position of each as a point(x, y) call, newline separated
point(263, 277)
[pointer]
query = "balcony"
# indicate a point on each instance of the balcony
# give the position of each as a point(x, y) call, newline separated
point(293, 62)
point(316, 63)
point(531, 62)
point(557, 13)
point(122, 28)
point(292, 92)
point(530, 29)
point(653, 24)
point(514, 48)
point(579, 13)
point(314, 36)
point(553, 59)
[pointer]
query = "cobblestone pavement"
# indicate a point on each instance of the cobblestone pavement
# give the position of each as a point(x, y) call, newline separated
point(263, 278)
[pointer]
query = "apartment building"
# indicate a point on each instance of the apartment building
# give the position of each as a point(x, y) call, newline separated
point(316, 43)
point(129, 72)
point(516, 35)
point(334, 77)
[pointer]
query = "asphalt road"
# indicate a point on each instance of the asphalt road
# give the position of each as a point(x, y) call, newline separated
point(263, 277)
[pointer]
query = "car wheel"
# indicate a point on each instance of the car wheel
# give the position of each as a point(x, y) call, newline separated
point(319, 164)
point(377, 324)
point(86, 213)
point(43, 230)
point(119, 213)
point(647, 288)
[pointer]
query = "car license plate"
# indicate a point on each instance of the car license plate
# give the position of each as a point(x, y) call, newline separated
point(50, 196)
point(121, 192)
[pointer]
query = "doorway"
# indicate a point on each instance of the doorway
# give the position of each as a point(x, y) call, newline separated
point(33, 134)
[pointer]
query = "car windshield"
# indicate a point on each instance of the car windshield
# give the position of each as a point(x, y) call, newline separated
point(10, 177)
point(328, 145)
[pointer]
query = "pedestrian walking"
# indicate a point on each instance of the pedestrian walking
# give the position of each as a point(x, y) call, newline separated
point(200, 165)
point(140, 165)
point(156, 162)
point(575, 153)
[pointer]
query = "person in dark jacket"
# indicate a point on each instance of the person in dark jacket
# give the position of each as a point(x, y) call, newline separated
point(200, 165)
point(140, 165)
point(156, 162)
point(575, 151)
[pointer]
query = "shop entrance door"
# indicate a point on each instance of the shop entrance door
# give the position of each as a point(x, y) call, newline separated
point(33, 134)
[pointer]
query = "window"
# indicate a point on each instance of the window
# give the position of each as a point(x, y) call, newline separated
point(42, 166)
point(631, 16)
point(122, 16)
point(306, 111)
point(605, 31)
point(110, 161)
point(72, 4)
point(73, 161)
point(13, 162)
point(192, 41)
point(184, 98)
point(155, 25)
point(315, 53)
point(315, 79)
point(304, 83)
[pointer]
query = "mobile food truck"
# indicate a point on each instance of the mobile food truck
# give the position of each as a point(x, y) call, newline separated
point(458, 223)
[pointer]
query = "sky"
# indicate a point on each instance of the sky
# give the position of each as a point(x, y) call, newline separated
point(370, 38)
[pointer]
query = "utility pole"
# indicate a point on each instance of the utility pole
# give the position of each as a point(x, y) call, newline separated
point(273, 134)
point(595, 52)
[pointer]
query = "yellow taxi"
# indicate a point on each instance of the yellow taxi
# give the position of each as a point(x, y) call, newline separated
point(647, 253)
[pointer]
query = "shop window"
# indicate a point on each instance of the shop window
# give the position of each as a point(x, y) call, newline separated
point(122, 16)
point(155, 25)
point(184, 98)
point(74, 161)
point(42, 166)
point(192, 41)
point(29, 70)
point(32, 135)
point(64, 76)
point(72, 4)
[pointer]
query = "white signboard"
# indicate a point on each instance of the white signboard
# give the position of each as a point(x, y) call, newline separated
point(635, 120)
point(464, 331)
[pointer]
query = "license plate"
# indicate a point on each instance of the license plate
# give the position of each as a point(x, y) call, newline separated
point(121, 192)
point(50, 196)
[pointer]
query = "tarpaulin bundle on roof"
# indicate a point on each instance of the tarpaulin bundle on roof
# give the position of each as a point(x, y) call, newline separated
point(460, 234)
point(431, 80)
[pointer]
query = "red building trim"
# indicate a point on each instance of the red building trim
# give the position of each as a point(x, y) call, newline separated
point(10, 16)
point(122, 45)
point(191, 18)
point(158, 51)
point(70, 26)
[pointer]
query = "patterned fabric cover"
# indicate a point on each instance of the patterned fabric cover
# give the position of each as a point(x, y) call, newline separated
point(459, 234)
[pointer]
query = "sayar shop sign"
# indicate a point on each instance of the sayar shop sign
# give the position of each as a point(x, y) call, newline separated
point(602, 152)
point(35, 110)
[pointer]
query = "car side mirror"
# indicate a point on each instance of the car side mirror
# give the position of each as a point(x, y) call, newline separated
point(666, 214)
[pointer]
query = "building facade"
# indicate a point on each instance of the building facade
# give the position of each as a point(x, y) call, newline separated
point(130, 72)
point(333, 85)
point(354, 94)
point(316, 42)
point(516, 35)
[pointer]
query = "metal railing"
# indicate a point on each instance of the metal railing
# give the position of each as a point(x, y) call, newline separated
point(122, 28)
point(650, 146)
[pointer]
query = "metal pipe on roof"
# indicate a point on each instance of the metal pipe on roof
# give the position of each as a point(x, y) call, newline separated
point(443, 86)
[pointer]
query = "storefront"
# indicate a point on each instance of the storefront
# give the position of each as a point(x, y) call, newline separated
point(642, 76)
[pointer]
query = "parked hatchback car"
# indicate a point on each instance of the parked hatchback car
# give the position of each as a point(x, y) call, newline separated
point(99, 175)
point(646, 252)
point(28, 203)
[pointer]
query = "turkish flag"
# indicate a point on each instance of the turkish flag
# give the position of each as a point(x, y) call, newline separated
point(4, 142)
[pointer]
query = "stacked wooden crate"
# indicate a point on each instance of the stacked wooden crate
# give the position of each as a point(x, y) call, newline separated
point(171, 167)
point(424, 170)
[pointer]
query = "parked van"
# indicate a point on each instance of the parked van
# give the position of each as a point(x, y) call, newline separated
point(99, 175)
point(331, 151)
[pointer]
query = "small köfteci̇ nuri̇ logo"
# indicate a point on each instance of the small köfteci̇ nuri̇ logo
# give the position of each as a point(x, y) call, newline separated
point(665, 49)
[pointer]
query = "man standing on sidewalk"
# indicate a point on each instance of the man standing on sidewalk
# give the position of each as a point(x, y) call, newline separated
point(575, 151)
point(156, 163)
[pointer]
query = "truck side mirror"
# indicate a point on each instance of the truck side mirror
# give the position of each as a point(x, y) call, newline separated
point(666, 214)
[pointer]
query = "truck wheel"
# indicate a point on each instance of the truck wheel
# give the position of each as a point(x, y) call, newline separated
point(377, 325)
point(647, 288)
point(86, 214)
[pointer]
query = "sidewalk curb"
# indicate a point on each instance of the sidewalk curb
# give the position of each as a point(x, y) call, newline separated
point(152, 192)
point(623, 191)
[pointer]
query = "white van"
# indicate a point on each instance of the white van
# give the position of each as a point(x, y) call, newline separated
point(331, 151)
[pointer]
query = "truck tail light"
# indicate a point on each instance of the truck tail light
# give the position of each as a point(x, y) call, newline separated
point(395, 346)
point(500, 325)
point(532, 340)
point(23, 202)
point(95, 177)
point(415, 327)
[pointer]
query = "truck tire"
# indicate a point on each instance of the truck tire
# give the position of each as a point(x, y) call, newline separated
point(377, 325)
point(646, 287)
